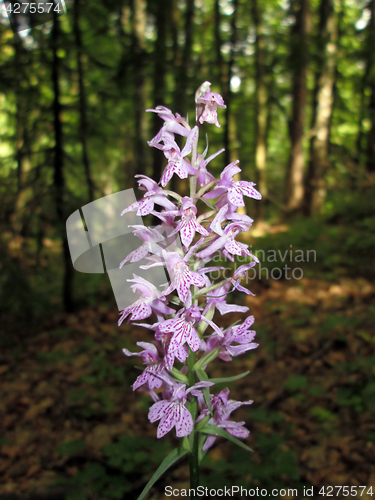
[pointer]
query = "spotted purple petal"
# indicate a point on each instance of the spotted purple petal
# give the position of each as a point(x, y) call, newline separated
point(168, 420)
point(248, 190)
point(157, 410)
point(145, 206)
point(184, 421)
point(235, 196)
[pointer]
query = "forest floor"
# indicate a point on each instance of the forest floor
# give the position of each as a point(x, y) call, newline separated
point(71, 423)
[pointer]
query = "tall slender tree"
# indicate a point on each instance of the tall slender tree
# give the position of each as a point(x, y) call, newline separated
point(322, 108)
point(139, 84)
point(370, 52)
point(58, 162)
point(162, 12)
point(227, 92)
point(218, 41)
point(18, 49)
point(299, 58)
point(83, 122)
point(183, 73)
point(260, 108)
point(184, 68)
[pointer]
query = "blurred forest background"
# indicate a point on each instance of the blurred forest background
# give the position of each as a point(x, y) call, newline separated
point(298, 79)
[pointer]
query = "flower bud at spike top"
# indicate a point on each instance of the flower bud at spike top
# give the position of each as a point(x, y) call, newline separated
point(207, 103)
point(185, 313)
point(202, 90)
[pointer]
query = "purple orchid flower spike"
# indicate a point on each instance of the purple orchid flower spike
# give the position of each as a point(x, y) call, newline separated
point(181, 277)
point(240, 334)
point(205, 177)
point(218, 298)
point(181, 352)
point(150, 236)
point(225, 213)
point(172, 125)
point(150, 300)
point(234, 189)
point(228, 244)
point(155, 194)
point(188, 224)
point(165, 338)
point(155, 366)
point(173, 413)
point(211, 101)
point(185, 239)
point(181, 326)
point(227, 238)
point(182, 329)
point(176, 159)
point(240, 273)
point(222, 408)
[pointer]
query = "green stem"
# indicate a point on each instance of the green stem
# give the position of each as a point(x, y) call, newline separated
point(194, 155)
point(204, 189)
point(194, 462)
point(194, 437)
point(208, 289)
point(191, 362)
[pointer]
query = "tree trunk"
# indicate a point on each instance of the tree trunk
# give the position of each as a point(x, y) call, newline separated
point(183, 86)
point(16, 216)
point(322, 109)
point(58, 175)
point(218, 42)
point(370, 160)
point(299, 56)
point(340, 8)
point(227, 93)
point(183, 89)
point(139, 89)
point(162, 10)
point(370, 163)
point(260, 111)
point(19, 118)
point(82, 103)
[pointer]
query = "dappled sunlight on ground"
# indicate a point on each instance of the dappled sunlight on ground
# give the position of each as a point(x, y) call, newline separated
point(66, 395)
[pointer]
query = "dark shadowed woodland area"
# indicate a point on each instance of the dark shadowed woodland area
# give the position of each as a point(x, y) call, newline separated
point(298, 79)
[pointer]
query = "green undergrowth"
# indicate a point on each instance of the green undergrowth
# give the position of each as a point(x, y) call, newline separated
point(120, 472)
point(338, 243)
point(274, 466)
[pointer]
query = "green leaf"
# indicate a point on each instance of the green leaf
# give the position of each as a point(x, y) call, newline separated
point(208, 203)
point(185, 445)
point(206, 358)
point(175, 300)
point(175, 455)
point(202, 423)
point(217, 431)
point(179, 376)
point(229, 379)
point(201, 453)
point(205, 188)
point(203, 377)
point(173, 194)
